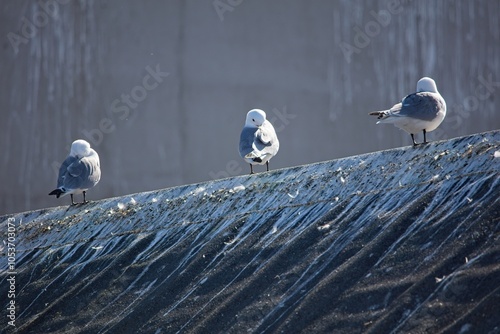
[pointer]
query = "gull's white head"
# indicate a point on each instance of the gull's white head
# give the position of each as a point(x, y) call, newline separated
point(255, 118)
point(80, 148)
point(426, 84)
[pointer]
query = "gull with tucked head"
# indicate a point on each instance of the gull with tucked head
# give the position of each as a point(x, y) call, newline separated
point(79, 172)
point(258, 140)
point(420, 111)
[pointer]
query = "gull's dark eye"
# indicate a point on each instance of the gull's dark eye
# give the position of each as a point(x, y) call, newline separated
point(253, 119)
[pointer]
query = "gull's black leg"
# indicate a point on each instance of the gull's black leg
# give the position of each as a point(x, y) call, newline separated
point(84, 200)
point(251, 169)
point(413, 139)
point(72, 202)
point(267, 165)
point(425, 140)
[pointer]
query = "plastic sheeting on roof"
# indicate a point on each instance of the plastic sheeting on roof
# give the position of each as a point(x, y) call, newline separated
point(404, 240)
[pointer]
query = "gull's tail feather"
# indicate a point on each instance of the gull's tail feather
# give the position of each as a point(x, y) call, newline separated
point(254, 156)
point(58, 192)
point(380, 114)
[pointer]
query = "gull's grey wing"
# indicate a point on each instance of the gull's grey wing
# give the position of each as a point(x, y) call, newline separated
point(247, 137)
point(423, 105)
point(63, 170)
point(82, 173)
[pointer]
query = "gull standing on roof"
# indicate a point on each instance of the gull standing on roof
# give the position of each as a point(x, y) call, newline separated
point(79, 172)
point(258, 140)
point(420, 111)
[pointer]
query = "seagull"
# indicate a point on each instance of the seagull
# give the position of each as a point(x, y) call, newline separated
point(420, 111)
point(258, 140)
point(79, 172)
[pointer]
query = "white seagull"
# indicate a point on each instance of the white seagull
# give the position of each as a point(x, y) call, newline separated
point(420, 111)
point(258, 140)
point(79, 172)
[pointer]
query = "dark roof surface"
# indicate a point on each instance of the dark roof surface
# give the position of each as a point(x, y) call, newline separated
point(401, 241)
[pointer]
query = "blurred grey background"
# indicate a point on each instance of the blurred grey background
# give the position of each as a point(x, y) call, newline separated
point(161, 88)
